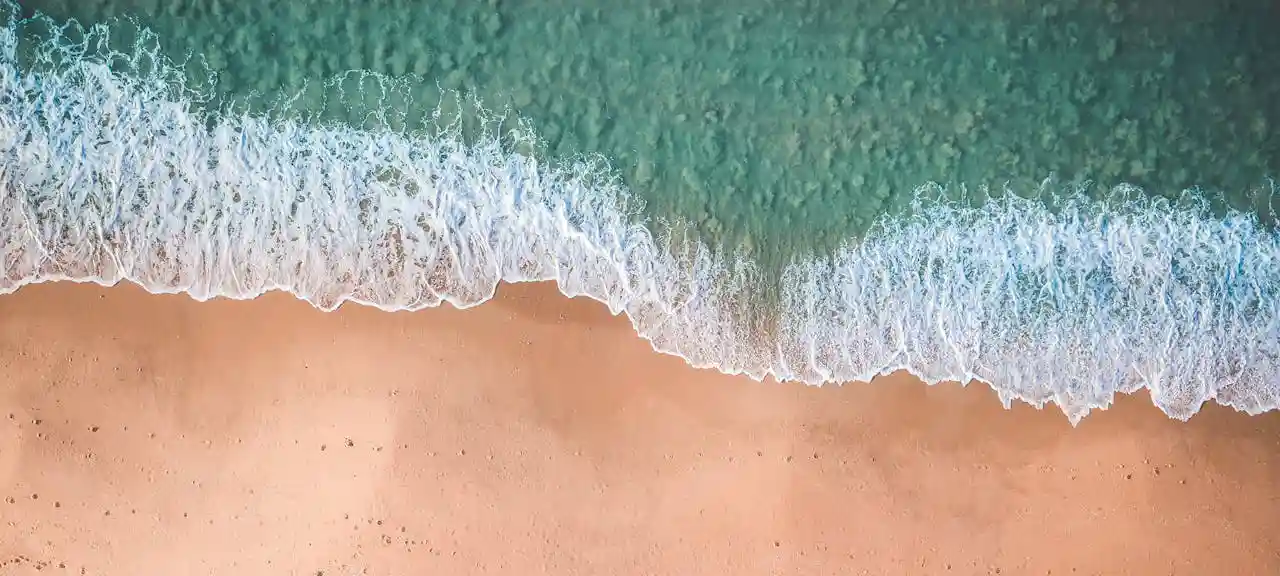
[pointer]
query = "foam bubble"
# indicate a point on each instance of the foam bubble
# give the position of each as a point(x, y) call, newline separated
point(111, 175)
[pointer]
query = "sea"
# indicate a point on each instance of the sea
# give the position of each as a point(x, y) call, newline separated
point(1063, 200)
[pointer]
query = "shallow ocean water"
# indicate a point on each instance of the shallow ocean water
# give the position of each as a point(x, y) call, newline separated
point(816, 191)
point(790, 126)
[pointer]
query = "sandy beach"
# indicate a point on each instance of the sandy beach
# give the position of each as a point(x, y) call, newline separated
point(144, 434)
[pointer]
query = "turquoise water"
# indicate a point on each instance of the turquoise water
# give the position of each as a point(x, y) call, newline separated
point(790, 126)
point(817, 191)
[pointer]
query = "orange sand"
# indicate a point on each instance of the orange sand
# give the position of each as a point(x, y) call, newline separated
point(153, 435)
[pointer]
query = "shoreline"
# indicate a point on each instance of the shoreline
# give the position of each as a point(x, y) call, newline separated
point(897, 372)
point(1047, 292)
point(539, 433)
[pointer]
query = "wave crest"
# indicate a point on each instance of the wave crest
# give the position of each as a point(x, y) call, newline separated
point(111, 175)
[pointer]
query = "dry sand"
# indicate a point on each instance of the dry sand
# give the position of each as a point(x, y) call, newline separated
point(153, 435)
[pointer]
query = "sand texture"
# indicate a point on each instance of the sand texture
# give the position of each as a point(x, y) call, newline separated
point(146, 434)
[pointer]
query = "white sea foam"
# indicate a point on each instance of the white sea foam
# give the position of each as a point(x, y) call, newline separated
point(111, 176)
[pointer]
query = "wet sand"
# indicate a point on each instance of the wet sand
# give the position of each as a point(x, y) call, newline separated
point(144, 434)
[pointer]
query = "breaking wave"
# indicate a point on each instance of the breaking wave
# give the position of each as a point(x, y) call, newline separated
point(112, 171)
